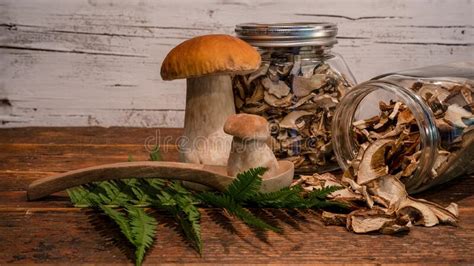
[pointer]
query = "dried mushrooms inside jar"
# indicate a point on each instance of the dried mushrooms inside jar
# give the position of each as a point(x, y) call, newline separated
point(297, 88)
point(429, 122)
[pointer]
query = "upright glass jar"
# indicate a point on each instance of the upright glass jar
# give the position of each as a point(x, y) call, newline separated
point(427, 112)
point(297, 89)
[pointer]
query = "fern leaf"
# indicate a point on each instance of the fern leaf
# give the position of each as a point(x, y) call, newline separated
point(189, 218)
point(155, 154)
point(143, 229)
point(154, 183)
point(181, 203)
point(114, 194)
point(178, 188)
point(317, 198)
point(121, 220)
point(78, 196)
point(251, 219)
point(323, 193)
point(166, 199)
point(85, 196)
point(246, 184)
point(289, 197)
point(228, 203)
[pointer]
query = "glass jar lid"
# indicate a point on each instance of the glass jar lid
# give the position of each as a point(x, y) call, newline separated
point(288, 34)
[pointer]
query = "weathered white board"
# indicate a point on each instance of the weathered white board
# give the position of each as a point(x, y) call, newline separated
point(96, 62)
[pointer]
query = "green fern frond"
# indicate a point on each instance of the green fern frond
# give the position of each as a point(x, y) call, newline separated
point(155, 183)
point(323, 193)
point(318, 198)
point(141, 197)
point(79, 197)
point(228, 203)
point(176, 187)
point(181, 203)
point(114, 193)
point(189, 217)
point(85, 196)
point(143, 229)
point(246, 184)
point(289, 197)
point(121, 220)
point(155, 154)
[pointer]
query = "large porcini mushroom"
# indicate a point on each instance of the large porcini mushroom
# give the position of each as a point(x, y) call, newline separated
point(249, 148)
point(207, 63)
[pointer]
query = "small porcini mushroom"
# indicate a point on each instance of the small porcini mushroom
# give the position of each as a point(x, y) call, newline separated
point(207, 62)
point(249, 148)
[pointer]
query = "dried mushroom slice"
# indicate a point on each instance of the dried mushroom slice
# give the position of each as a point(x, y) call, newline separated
point(456, 115)
point(256, 96)
point(277, 88)
point(448, 215)
point(345, 195)
point(405, 117)
point(461, 160)
point(275, 101)
point(374, 220)
point(390, 191)
point(259, 73)
point(330, 218)
point(360, 189)
point(303, 86)
point(291, 120)
point(419, 213)
point(373, 163)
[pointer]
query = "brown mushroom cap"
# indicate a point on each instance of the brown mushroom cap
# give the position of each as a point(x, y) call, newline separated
point(210, 54)
point(247, 126)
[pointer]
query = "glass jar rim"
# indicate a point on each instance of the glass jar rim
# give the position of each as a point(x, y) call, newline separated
point(294, 34)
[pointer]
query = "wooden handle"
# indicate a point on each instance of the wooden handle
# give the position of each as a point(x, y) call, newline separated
point(212, 176)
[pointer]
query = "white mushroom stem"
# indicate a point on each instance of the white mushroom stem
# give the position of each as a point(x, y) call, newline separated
point(209, 101)
point(251, 153)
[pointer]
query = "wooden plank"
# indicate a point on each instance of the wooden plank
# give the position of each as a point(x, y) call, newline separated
point(85, 237)
point(91, 135)
point(56, 158)
point(36, 161)
point(97, 62)
point(31, 153)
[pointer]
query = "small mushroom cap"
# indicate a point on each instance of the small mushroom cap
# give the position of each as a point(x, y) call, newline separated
point(210, 54)
point(247, 126)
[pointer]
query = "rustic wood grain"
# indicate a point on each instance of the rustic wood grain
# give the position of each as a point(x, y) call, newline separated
point(32, 153)
point(85, 237)
point(52, 231)
point(96, 62)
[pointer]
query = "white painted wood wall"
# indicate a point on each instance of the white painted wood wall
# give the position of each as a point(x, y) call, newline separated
point(96, 62)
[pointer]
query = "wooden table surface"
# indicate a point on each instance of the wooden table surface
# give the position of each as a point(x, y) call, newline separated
point(52, 231)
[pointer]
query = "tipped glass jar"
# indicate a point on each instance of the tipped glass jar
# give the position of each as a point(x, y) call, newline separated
point(423, 126)
point(297, 89)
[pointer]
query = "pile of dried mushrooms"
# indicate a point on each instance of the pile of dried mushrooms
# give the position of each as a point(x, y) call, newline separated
point(388, 159)
point(298, 100)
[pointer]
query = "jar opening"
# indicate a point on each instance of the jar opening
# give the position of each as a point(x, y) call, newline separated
point(361, 104)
